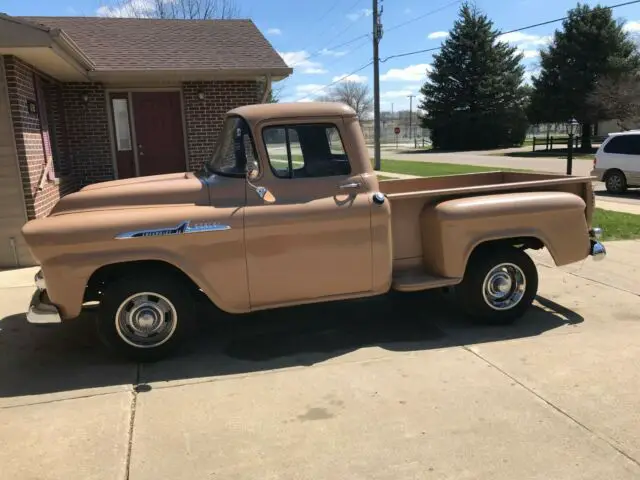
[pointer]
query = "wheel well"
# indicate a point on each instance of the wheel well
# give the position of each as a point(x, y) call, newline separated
point(520, 243)
point(103, 276)
point(612, 170)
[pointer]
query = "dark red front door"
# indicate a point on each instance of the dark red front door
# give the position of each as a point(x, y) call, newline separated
point(159, 137)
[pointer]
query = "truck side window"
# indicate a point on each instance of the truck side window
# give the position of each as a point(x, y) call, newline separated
point(303, 151)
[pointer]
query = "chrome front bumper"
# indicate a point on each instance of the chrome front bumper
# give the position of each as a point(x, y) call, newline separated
point(41, 310)
point(597, 250)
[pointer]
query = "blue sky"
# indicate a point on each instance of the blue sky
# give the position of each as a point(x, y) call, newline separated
point(307, 32)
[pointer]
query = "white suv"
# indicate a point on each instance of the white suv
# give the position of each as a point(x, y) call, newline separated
point(617, 161)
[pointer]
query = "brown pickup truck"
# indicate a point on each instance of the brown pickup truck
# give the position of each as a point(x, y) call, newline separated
point(288, 211)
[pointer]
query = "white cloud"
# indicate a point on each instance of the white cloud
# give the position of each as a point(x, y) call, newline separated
point(396, 93)
point(632, 27)
point(435, 35)
point(529, 73)
point(131, 8)
point(333, 53)
point(308, 92)
point(274, 31)
point(412, 73)
point(529, 53)
point(349, 78)
point(365, 12)
point(525, 40)
point(314, 71)
point(300, 60)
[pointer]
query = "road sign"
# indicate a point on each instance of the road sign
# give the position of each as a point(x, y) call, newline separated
point(396, 130)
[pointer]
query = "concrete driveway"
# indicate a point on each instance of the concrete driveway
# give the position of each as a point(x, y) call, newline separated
point(389, 388)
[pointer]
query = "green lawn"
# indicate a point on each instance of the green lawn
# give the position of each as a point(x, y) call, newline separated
point(617, 225)
point(428, 169)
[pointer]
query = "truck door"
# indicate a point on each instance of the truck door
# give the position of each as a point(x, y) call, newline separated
point(314, 241)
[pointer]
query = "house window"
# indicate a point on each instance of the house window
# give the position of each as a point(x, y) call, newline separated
point(302, 151)
point(121, 122)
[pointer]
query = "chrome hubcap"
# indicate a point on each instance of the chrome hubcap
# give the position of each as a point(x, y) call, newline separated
point(504, 286)
point(146, 320)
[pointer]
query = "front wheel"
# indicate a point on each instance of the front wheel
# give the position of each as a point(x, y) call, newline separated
point(144, 318)
point(499, 285)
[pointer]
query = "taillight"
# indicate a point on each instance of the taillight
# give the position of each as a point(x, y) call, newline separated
point(595, 161)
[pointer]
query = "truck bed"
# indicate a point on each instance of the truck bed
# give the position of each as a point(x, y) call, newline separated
point(477, 183)
point(415, 240)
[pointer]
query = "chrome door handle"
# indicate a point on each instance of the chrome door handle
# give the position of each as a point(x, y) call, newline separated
point(346, 186)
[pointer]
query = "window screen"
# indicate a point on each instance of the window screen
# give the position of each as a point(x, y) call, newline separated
point(299, 151)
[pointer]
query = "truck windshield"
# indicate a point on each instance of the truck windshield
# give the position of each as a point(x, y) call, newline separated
point(233, 147)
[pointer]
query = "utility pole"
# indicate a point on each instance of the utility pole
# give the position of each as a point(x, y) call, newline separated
point(411, 115)
point(391, 110)
point(377, 35)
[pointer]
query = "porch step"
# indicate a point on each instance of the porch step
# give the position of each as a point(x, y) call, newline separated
point(415, 279)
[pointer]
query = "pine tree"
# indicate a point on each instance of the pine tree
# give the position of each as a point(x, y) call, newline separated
point(473, 97)
point(591, 46)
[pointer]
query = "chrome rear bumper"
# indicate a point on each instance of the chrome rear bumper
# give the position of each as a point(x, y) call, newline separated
point(41, 310)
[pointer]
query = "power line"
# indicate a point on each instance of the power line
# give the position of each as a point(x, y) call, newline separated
point(340, 79)
point(323, 16)
point(548, 22)
point(348, 42)
point(420, 17)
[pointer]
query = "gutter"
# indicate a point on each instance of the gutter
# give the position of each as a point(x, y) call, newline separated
point(64, 41)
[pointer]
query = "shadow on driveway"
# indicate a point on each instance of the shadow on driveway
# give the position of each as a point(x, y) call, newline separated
point(49, 359)
point(632, 195)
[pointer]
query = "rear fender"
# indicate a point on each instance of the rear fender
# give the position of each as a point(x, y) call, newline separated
point(453, 229)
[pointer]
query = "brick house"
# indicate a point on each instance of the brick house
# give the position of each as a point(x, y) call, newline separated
point(85, 100)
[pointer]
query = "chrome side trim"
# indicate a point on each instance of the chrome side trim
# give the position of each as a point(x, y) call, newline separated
point(182, 228)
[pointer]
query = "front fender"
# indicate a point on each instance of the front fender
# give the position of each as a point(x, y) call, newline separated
point(72, 247)
point(454, 228)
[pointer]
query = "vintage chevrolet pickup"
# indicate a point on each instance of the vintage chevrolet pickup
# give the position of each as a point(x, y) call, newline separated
point(288, 211)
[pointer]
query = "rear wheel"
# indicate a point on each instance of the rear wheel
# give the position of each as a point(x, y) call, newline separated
point(144, 318)
point(615, 182)
point(499, 285)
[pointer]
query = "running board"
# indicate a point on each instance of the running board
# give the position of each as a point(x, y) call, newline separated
point(415, 279)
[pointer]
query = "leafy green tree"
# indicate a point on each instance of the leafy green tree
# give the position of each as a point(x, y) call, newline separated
point(473, 97)
point(590, 47)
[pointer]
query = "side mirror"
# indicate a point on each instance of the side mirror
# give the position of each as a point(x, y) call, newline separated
point(265, 195)
point(252, 171)
point(263, 192)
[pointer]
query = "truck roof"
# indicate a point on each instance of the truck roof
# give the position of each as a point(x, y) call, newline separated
point(261, 111)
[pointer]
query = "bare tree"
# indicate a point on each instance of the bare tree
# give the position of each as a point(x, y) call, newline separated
point(618, 99)
point(183, 9)
point(355, 94)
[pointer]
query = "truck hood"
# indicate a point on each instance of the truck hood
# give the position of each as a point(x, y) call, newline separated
point(156, 190)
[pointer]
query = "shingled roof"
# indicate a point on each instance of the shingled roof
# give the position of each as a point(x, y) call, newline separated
point(130, 44)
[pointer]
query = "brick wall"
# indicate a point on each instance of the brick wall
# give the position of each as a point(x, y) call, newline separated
point(204, 117)
point(87, 127)
point(28, 138)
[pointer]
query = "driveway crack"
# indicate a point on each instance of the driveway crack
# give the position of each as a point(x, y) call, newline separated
point(555, 407)
point(132, 419)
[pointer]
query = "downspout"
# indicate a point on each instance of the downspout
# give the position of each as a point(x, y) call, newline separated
point(267, 88)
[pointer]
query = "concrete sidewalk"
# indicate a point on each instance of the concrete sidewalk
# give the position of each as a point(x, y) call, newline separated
point(384, 388)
